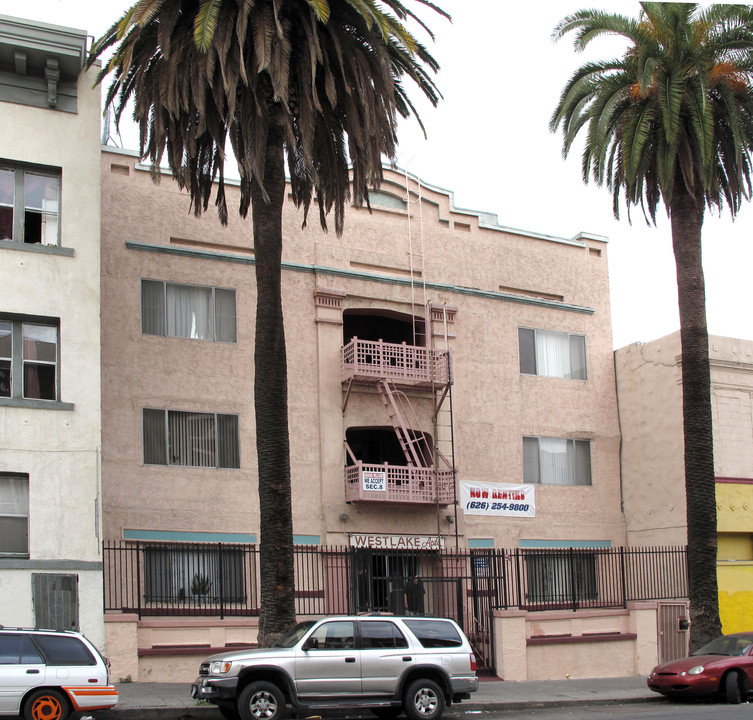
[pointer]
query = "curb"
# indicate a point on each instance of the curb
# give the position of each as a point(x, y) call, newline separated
point(212, 713)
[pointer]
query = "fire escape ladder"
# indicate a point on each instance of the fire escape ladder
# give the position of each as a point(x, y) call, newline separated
point(444, 434)
point(403, 418)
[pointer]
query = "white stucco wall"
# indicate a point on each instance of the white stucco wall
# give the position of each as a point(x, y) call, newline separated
point(58, 447)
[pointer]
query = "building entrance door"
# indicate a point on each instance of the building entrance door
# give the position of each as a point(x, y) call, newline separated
point(380, 580)
point(673, 631)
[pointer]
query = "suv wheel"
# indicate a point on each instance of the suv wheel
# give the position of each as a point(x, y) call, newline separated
point(424, 700)
point(46, 705)
point(261, 701)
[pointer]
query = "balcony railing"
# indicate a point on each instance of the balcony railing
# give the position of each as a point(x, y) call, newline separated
point(365, 361)
point(398, 484)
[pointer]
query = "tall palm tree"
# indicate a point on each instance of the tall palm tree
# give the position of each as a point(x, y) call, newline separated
point(316, 84)
point(671, 121)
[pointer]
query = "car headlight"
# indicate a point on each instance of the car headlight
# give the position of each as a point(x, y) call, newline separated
point(220, 667)
point(697, 670)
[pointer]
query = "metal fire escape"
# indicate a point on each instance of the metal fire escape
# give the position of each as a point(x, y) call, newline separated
point(396, 370)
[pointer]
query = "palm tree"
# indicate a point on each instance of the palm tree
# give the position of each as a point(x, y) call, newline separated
point(314, 83)
point(671, 121)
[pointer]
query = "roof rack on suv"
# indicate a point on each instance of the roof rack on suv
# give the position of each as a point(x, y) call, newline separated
point(37, 629)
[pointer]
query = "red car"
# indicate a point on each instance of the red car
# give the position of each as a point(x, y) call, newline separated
point(723, 667)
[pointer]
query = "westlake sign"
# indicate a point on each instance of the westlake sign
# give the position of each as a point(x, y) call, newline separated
point(397, 542)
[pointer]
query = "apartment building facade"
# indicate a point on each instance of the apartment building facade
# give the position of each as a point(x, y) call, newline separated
point(649, 377)
point(50, 416)
point(451, 385)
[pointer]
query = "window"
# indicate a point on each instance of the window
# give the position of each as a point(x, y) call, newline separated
point(192, 439)
point(14, 515)
point(561, 577)
point(64, 650)
point(194, 574)
point(29, 202)
point(556, 461)
point(336, 635)
point(55, 600)
point(550, 353)
point(435, 633)
point(382, 634)
point(15, 649)
point(28, 360)
point(188, 311)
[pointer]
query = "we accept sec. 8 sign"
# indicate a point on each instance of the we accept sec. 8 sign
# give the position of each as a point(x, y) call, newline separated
point(497, 499)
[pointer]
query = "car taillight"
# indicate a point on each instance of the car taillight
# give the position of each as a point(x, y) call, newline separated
point(473, 662)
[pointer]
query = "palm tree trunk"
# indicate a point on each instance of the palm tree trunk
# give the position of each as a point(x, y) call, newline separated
point(687, 218)
point(277, 601)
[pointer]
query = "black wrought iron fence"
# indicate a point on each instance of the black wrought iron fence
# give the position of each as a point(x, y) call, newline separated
point(220, 579)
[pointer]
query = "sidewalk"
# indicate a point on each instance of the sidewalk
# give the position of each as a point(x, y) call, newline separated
point(170, 701)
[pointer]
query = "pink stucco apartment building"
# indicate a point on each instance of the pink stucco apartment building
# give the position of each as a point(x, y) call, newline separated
point(452, 410)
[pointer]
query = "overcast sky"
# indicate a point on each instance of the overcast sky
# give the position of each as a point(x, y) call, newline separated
point(489, 143)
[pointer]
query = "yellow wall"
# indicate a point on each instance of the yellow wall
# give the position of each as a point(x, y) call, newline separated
point(734, 508)
point(735, 596)
point(734, 503)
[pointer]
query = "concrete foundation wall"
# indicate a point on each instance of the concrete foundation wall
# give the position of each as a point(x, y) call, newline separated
point(555, 645)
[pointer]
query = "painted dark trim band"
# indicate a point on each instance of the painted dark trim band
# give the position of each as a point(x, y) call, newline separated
point(355, 275)
point(28, 564)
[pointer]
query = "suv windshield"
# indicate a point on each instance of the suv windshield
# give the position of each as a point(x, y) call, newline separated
point(294, 635)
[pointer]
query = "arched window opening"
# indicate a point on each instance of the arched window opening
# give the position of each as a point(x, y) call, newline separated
point(385, 325)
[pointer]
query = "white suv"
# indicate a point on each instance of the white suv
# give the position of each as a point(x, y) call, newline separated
point(47, 674)
point(390, 665)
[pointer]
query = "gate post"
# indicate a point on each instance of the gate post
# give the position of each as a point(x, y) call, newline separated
point(461, 606)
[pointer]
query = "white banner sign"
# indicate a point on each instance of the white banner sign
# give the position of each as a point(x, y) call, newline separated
point(497, 499)
point(397, 542)
point(374, 480)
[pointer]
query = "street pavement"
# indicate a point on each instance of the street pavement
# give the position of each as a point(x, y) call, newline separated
point(173, 701)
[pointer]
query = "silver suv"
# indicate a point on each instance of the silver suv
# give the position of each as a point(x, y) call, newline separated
point(388, 664)
point(48, 674)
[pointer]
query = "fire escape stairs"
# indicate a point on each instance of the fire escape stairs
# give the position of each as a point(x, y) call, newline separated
point(412, 439)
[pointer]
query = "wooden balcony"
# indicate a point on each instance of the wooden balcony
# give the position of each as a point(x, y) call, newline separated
point(398, 484)
point(407, 366)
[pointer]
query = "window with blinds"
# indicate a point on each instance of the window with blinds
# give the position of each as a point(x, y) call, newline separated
point(14, 515)
point(192, 439)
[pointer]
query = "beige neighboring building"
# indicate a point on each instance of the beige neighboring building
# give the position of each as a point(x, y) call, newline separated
point(519, 454)
point(649, 377)
point(50, 418)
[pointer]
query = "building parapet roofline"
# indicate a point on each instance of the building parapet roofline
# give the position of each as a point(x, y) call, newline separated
point(486, 220)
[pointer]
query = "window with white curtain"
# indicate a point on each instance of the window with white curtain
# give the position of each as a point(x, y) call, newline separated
point(556, 461)
point(188, 311)
point(14, 515)
point(192, 439)
point(551, 353)
point(28, 360)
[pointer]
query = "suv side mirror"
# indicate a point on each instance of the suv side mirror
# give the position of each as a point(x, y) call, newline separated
point(311, 644)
